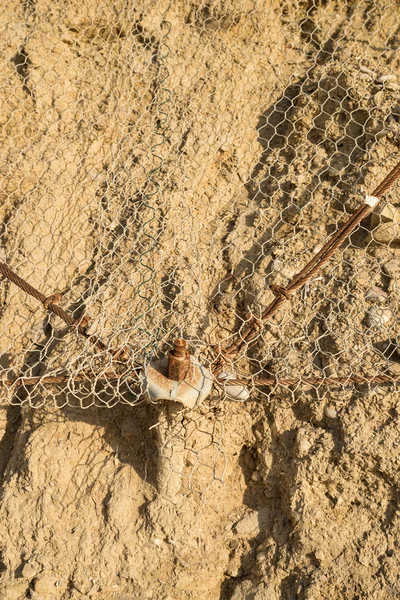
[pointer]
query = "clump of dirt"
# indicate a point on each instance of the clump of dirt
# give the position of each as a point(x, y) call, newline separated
point(162, 167)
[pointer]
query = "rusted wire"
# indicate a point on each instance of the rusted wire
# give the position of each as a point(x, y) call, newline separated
point(245, 336)
point(260, 382)
point(250, 329)
point(50, 303)
point(314, 381)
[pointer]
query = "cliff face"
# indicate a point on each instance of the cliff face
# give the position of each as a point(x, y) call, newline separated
point(268, 118)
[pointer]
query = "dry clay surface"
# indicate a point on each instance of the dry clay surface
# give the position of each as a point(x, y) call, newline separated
point(275, 115)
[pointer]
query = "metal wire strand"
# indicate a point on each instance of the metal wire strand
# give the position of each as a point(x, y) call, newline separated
point(250, 331)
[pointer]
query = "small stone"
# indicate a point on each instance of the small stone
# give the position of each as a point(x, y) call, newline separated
point(375, 391)
point(256, 476)
point(386, 233)
point(226, 142)
point(385, 78)
point(393, 87)
point(251, 523)
point(363, 278)
point(28, 572)
point(269, 493)
point(388, 213)
point(378, 317)
point(375, 294)
point(394, 367)
point(93, 327)
point(382, 133)
point(304, 446)
point(281, 267)
point(46, 584)
point(392, 268)
point(262, 556)
point(330, 411)
point(238, 393)
point(379, 98)
point(109, 588)
point(93, 591)
point(368, 71)
point(83, 587)
point(258, 435)
point(320, 556)
point(234, 570)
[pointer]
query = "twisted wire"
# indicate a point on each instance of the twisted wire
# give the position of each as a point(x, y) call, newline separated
point(258, 382)
point(250, 329)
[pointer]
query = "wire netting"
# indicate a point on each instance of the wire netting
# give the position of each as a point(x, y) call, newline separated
point(164, 165)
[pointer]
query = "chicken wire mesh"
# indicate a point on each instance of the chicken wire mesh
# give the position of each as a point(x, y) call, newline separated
point(163, 166)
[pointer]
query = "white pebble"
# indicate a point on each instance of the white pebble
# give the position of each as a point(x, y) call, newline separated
point(93, 327)
point(258, 435)
point(256, 476)
point(304, 446)
point(392, 268)
point(262, 556)
point(378, 317)
point(236, 392)
point(252, 522)
point(28, 572)
point(365, 69)
point(330, 412)
point(234, 571)
point(376, 294)
point(384, 78)
point(248, 524)
point(387, 213)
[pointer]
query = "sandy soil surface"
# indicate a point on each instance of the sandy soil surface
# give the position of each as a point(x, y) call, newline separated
point(271, 121)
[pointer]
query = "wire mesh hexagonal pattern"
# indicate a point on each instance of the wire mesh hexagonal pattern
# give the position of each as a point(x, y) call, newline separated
point(164, 182)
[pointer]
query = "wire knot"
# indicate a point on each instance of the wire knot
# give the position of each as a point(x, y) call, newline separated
point(254, 320)
point(53, 299)
point(280, 292)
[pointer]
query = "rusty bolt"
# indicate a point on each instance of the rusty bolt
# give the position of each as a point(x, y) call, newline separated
point(179, 361)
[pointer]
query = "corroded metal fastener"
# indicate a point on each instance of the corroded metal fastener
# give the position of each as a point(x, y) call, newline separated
point(178, 377)
point(179, 361)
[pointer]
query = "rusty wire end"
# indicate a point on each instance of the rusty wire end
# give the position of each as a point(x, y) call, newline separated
point(179, 361)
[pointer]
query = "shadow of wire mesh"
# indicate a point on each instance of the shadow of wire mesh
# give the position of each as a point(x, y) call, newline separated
point(161, 179)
